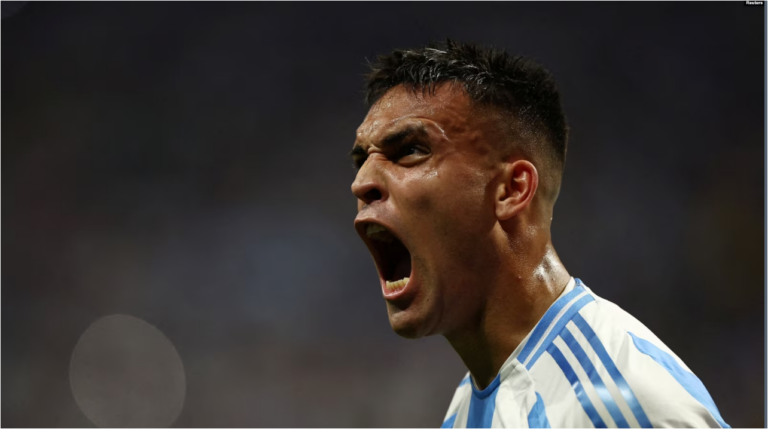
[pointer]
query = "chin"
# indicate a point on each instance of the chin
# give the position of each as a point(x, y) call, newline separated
point(410, 324)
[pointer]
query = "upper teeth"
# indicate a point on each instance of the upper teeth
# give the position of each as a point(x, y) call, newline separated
point(378, 232)
point(374, 228)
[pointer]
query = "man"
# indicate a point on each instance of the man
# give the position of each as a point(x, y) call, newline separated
point(460, 161)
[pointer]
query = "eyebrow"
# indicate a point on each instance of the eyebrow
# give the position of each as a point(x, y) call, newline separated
point(392, 139)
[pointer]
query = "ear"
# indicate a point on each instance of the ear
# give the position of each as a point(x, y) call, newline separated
point(519, 181)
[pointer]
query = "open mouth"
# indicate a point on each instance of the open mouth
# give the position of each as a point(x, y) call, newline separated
point(391, 256)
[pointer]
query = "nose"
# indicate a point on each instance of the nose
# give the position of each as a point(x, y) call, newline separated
point(367, 187)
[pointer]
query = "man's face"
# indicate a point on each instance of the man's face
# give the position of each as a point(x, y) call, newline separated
point(427, 170)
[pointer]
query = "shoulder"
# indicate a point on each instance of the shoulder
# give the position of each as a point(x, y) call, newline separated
point(653, 382)
point(463, 390)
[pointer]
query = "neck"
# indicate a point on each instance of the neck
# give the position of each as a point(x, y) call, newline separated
point(518, 296)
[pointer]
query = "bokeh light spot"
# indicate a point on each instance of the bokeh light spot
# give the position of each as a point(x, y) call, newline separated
point(124, 372)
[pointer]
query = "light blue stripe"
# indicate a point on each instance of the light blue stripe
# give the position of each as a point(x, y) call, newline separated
point(546, 320)
point(688, 380)
point(597, 382)
point(483, 404)
point(597, 421)
point(464, 381)
point(621, 383)
point(488, 390)
point(574, 309)
point(537, 418)
point(449, 422)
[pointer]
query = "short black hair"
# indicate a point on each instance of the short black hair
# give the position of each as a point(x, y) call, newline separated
point(514, 84)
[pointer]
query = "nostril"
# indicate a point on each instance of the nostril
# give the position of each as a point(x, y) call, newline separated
point(371, 196)
point(368, 193)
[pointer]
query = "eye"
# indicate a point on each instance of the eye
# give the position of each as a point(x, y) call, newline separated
point(358, 162)
point(411, 149)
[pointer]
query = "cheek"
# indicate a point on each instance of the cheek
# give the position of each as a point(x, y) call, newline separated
point(447, 205)
point(456, 193)
point(454, 201)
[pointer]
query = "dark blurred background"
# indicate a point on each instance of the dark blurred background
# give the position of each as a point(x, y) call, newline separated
point(185, 164)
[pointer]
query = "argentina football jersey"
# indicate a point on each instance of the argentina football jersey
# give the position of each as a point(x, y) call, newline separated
point(587, 363)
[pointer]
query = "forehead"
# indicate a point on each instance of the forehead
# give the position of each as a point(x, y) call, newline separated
point(447, 109)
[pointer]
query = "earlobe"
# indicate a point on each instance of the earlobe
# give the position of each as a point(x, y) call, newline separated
point(520, 179)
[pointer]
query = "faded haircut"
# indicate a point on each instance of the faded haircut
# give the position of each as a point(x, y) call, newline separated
point(521, 89)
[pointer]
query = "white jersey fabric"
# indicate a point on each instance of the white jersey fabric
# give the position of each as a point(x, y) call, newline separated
point(587, 363)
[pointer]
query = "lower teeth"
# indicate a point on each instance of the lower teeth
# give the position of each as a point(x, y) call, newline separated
point(398, 284)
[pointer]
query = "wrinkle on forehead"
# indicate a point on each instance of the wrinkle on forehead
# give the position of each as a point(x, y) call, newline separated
point(371, 128)
point(382, 135)
point(442, 110)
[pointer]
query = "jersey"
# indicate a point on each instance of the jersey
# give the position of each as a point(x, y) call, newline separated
point(587, 363)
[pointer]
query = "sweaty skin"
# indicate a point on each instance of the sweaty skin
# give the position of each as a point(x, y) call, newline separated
point(436, 173)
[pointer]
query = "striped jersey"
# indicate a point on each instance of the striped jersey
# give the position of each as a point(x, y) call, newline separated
point(587, 363)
